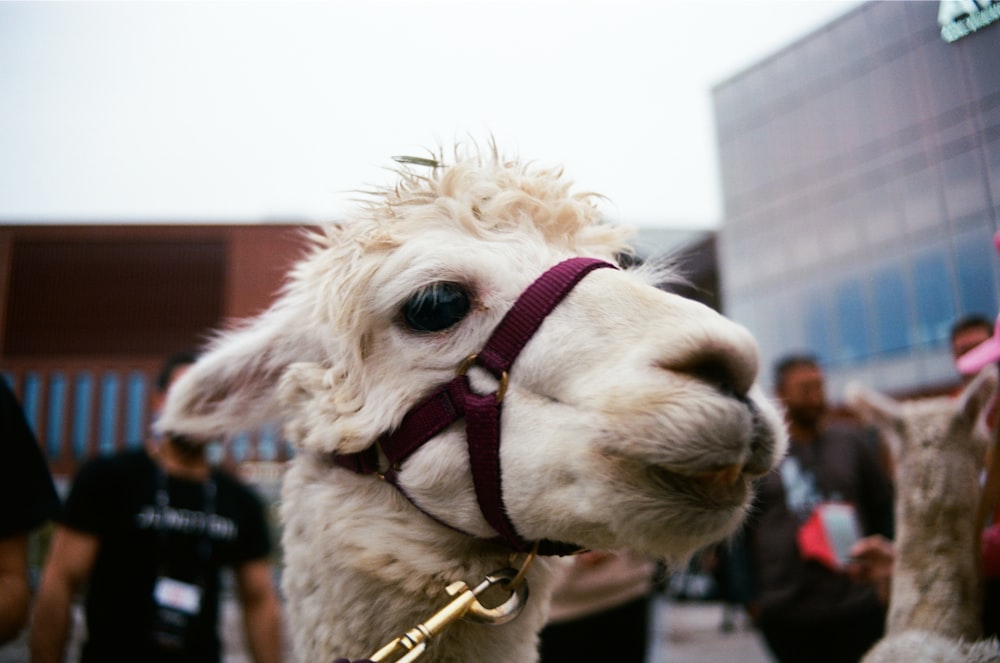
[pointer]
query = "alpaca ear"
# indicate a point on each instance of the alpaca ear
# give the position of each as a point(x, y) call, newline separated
point(874, 407)
point(978, 394)
point(233, 386)
point(880, 411)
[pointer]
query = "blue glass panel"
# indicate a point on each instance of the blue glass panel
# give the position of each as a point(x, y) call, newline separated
point(108, 413)
point(932, 283)
point(56, 415)
point(135, 409)
point(853, 342)
point(267, 443)
point(80, 423)
point(818, 326)
point(238, 447)
point(31, 398)
point(974, 267)
point(892, 312)
point(214, 452)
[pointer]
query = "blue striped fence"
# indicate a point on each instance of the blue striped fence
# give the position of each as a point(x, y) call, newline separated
point(77, 414)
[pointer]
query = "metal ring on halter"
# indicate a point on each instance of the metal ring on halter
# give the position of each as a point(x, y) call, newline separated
point(467, 363)
point(507, 610)
point(522, 573)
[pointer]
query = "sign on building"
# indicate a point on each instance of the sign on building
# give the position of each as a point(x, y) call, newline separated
point(960, 18)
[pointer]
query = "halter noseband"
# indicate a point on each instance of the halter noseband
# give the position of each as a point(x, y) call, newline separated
point(456, 400)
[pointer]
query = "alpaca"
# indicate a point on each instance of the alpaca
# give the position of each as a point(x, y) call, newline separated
point(938, 447)
point(629, 420)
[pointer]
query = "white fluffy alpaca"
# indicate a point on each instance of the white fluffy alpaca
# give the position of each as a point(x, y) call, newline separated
point(630, 420)
point(939, 446)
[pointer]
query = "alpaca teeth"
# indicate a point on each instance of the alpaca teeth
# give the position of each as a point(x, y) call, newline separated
point(727, 476)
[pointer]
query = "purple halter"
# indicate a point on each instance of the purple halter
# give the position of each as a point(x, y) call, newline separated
point(456, 400)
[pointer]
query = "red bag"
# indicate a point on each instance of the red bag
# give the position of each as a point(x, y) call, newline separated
point(828, 534)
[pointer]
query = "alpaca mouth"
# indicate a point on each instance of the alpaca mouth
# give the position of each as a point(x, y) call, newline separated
point(720, 487)
point(725, 484)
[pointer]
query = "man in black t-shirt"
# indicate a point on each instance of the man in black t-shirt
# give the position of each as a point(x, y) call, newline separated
point(807, 606)
point(29, 499)
point(148, 531)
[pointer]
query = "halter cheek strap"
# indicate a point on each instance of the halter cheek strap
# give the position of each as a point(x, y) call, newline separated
point(456, 400)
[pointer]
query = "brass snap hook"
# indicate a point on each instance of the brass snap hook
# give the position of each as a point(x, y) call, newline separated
point(507, 610)
point(465, 603)
point(467, 363)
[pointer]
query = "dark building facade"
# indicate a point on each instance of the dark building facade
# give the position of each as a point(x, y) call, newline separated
point(692, 253)
point(861, 177)
point(88, 313)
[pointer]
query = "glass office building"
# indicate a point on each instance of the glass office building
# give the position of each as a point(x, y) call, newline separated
point(861, 177)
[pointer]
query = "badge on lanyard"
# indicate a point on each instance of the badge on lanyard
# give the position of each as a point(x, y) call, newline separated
point(181, 596)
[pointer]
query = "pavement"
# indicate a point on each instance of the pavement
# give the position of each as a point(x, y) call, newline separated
point(682, 632)
point(692, 632)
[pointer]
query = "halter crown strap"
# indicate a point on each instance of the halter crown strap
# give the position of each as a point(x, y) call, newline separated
point(456, 400)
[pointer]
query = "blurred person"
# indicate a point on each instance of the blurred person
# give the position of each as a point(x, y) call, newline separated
point(974, 332)
point(966, 334)
point(808, 607)
point(147, 532)
point(600, 610)
point(29, 500)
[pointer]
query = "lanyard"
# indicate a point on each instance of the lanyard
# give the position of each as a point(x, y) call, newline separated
point(205, 541)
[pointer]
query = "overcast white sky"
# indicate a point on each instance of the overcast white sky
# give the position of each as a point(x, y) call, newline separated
point(246, 112)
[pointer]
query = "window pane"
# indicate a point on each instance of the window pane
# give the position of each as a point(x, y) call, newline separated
point(852, 322)
point(135, 409)
point(974, 265)
point(82, 400)
point(992, 150)
point(108, 413)
point(818, 323)
point(58, 387)
point(964, 186)
point(922, 200)
point(31, 399)
point(935, 303)
point(892, 313)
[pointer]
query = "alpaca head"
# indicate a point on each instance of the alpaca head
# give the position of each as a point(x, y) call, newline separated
point(932, 430)
point(630, 418)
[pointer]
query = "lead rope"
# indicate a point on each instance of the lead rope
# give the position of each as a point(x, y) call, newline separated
point(464, 605)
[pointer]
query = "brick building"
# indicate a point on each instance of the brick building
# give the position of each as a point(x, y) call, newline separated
point(87, 314)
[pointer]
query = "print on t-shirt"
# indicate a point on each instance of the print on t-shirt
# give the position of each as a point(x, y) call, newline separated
point(186, 521)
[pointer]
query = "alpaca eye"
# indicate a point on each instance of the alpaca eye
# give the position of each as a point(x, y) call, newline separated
point(436, 307)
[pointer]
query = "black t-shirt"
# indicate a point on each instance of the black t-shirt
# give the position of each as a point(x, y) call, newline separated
point(26, 489)
point(115, 498)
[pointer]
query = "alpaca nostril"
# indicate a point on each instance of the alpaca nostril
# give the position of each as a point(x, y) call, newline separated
point(715, 372)
point(720, 370)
